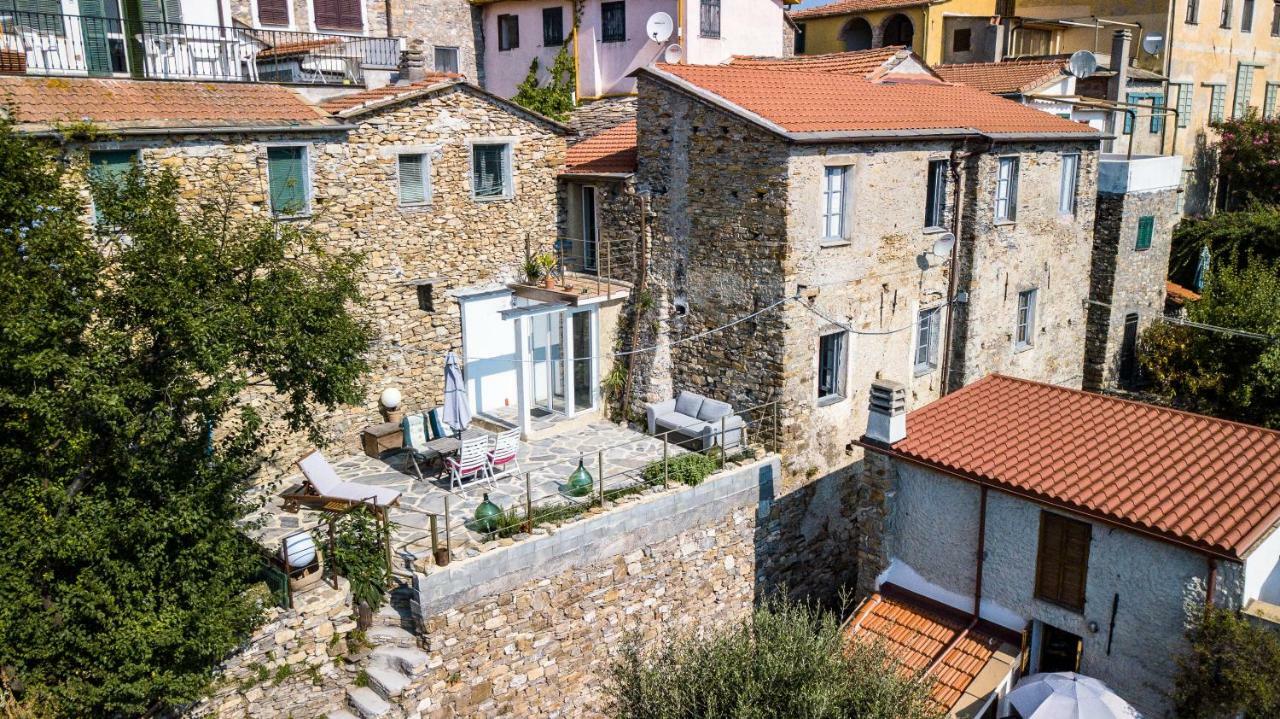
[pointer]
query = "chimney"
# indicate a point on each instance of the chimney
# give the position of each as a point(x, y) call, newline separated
point(1121, 43)
point(887, 422)
point(413, 62)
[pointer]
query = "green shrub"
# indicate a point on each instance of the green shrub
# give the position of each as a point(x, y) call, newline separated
point(1230, 669)
point(688, 469)
point(359, 554)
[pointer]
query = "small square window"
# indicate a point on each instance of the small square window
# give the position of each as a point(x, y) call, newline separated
point(426, 299)
point(110, 166)
point(1146, 228)
point(831, 366)
point(613, 20)
point(1025, 326)
point(490, 171)
point(414, 179)
point(446, 59)
point(1006, 209)
point(962, 40)
point(508, 32)
point(552, 26)
point(288, 180)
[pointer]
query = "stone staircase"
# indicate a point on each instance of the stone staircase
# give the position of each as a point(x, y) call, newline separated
point(390, 666)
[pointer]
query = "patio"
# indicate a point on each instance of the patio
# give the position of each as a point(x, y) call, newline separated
point(549, 461)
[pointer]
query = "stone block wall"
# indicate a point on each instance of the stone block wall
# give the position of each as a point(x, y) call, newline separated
point(1130, 280)
point(442, 23)
point(596, 116)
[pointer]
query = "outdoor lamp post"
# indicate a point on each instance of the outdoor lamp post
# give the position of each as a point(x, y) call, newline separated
point(390, 401)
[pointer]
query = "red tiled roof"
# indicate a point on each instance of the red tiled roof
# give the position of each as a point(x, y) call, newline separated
point(611, 151)
point(917, 632)
point(823, 102)
point(1003, 78)
point(854, 62)
point(1188, 478)
point(1178, 293)
point(287, 49)
point(841, 7)
point(386, 93)
point(36, 102)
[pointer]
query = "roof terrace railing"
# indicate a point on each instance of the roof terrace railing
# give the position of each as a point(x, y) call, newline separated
point(59, 44)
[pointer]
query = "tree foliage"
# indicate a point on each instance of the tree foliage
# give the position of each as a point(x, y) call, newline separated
point(1220, 374)
point(787, 662)
point(359, 554)
point(1253, 232)
point(555, 99)
point(126, 445)
point(1249, 160)
point(1230, 669)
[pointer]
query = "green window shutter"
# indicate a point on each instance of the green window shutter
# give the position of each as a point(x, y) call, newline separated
point(1244, 88)
point(413, 179)
point(1217, 102)
point(286, 175)
point(93, 28)
point(1146, 228)
point(1131, 98)
point(160, 11)
point(1157, 119)
point(110, 165)
point(1269, 101)
point(1185, 91)
point(488, 170)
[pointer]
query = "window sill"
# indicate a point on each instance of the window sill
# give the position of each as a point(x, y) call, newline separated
point(613, 42)
point(935, 230)
point(291, 218)
point(709, 37)
point(1141, 249)
point(495, 198)
point(416, 207)
point(922, 371)
point(1061, 605)
point(830, 400)
point(1006, 223)
point(823, 244)
point(1019, 349)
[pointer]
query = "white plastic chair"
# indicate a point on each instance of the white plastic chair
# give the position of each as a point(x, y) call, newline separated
point(502, 458)
point(472, 461)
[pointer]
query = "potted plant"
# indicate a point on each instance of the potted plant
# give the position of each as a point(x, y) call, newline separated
point(546, 263)
point(532, 271)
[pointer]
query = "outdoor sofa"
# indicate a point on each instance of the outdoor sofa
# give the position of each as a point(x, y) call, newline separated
point(690, 417)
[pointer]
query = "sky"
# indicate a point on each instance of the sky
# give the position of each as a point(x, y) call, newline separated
point(811, 3)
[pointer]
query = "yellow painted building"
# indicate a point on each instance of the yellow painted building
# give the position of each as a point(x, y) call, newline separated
point(939, 31)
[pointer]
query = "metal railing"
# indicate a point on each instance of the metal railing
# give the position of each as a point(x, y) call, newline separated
point(87, 45)
point(759, 430)
point(596, 259)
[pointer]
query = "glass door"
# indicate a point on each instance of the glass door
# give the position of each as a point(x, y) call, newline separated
point(583, 360)
point(590, 228)
point(546, 354)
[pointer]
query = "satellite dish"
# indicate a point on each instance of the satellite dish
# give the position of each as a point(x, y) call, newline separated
point(1153, 43)
point(659, 27)
point(1082, 64)
point(942, 246)
point(673, 53)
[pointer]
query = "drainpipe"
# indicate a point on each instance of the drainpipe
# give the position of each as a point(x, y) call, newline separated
point(977, 586)
point(1211, 586)
point(956, 157)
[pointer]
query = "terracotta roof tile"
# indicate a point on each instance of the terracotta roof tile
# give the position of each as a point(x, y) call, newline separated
point(917, 632)
point(854, 62)
point(1003, 78)
point(804, 102)
point(1185, 477)
point(343, 103)
point(288, 49)
point(36, 102)
point(841, 7)
point(611, 151)
point(1178, 293)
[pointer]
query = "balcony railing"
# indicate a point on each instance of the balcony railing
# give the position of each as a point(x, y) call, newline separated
point(85, 45)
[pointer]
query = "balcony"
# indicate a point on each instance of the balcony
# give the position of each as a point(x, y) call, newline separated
point(65, 45)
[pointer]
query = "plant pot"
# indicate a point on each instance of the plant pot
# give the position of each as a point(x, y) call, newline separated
point(441, 556)
point(548, 282)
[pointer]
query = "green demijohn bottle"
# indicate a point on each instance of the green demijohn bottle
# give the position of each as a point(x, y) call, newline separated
point(580, 482)
point(487, 515)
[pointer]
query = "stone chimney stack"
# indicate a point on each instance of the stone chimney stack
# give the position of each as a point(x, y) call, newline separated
point(1121, 43)
point(887, 422)
point(413, 62)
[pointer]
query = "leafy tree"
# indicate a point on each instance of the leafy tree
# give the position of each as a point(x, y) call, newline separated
point(788, 661)
point(1219, 374)
point(359, 554)
point(1248, 160)
point(1230, 669)
point(125, 444)
point(1253, 232)
point(556, 99)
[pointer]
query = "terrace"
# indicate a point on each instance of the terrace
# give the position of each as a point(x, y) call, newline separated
point(61, 44)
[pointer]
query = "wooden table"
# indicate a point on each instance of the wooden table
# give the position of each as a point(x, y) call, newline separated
point(379, 438)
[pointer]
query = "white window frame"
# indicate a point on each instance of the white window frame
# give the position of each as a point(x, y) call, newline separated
point(938, 184)
point(457, 56)
point(1024, 323)
point(1006, 200)
point(1069, 183)
point(841, 369)
point(307, 184)
point(835, 203)
point(426, 179)
point(928, 327)
point(508, 171)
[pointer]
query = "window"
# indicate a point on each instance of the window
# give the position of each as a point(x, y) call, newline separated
point(1225, 20)
point(1129, 349)
point(1067, 185)
point(1269, 101)
point(1193, 12)
point(1007, 190)
point(552, 26)
point(287, 179)
point(1244, 89)
point(926, 359)
point(1246, 17)
point(1025, 328)
point(1185, 96)
point(833, 199)
point(508, 32)
point(337, 14)
point(935, 201)
point(613, 18)
point(962, 40)
point(1217, 102)
point(1275, 20)
point(1146, 228)
point(414, 179)
point(800, 38)
point(426, 296)
point(1142, 98)
point(490, 171)
point(110, 166)
point(273, 12)
point(710, 19)
point(831, 354)
point(1062, 560)
point(446, 59)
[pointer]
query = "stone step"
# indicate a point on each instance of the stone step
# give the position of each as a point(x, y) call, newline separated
point(367, 703)
point(412, 662)
point(340, 714)
point(389, 616)
point(388, 681)
point(397, 636)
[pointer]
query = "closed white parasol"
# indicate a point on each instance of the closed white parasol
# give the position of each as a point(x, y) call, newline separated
point(1067, 695)
point(457, 409)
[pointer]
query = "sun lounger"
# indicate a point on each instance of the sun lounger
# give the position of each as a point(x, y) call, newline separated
point(322, 487)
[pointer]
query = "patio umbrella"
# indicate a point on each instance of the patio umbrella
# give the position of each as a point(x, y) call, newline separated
point(457, 409)
point(1067, 695)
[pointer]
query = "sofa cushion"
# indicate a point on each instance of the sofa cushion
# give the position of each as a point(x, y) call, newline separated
point(682, 422)
point(689, 403)
point(713, 409)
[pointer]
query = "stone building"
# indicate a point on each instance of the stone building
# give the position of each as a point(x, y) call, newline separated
point(821, 221)
point(1086, 525)
point(441, 188)
point(1137, 209)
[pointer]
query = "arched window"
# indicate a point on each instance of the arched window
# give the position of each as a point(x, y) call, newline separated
point(856, 35)
point(898, 30)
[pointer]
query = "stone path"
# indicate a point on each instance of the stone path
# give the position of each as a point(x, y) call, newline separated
point(549, 462)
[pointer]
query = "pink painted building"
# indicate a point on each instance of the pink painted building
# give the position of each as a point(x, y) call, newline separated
point(611, 39)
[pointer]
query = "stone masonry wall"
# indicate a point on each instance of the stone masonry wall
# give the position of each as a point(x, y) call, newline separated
point(440, 23)
point(1126, 278)
point(596, 116)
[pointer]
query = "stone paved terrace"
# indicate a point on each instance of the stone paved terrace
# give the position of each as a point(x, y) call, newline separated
point(549, 461)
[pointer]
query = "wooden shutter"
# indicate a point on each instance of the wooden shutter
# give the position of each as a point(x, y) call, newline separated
point(160, 11)
point(273, 12)
point(1062, 563)
point(413, 185)
point(285, 174)
point(93, 31)
point(1146, 228)
point(337, 14)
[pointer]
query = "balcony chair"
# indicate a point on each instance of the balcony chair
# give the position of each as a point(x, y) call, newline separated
point(472, 461)
point(502, 458)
